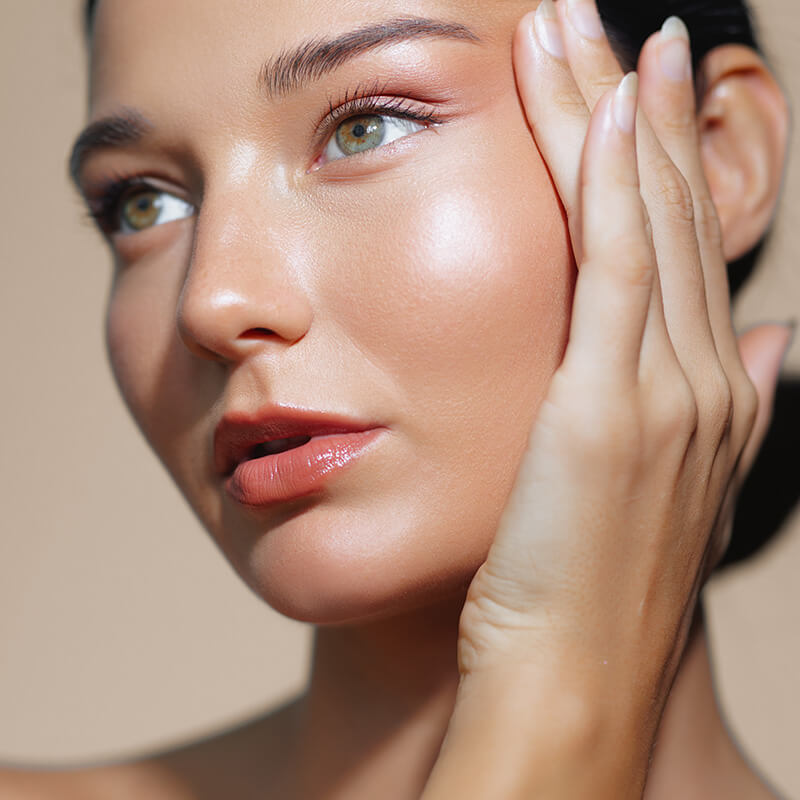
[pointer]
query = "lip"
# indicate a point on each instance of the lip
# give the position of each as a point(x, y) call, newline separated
point(261, 480)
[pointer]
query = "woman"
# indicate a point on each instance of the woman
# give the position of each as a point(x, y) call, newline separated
point(371, 262)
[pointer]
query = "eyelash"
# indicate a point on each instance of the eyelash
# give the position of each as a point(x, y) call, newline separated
point(104, 207)
point(372, 101)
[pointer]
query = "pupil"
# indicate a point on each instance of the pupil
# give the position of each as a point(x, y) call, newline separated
point(359, 130)
point(143, 203)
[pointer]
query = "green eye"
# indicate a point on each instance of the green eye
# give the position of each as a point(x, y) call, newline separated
point(357, 134)
point(141, 211)
point(368, 132)
point(147, 207)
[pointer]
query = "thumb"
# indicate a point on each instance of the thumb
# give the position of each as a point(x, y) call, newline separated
point(763, 350)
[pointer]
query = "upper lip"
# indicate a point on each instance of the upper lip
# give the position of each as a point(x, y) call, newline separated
point(239, 432)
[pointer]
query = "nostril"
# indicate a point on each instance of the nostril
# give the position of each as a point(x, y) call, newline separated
point(257, 333)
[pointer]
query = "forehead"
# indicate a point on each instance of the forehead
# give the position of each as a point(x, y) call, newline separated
point(121, 25)
point(153, 44)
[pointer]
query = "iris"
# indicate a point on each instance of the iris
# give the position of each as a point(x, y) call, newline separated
point(357, 134)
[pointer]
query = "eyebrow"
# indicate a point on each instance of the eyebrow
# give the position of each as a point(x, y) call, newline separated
point(291, 70)
point(287, 72)
point(125, 128)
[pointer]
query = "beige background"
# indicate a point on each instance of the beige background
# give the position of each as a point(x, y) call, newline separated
point(121, 629)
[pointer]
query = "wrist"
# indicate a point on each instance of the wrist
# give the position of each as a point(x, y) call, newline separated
point(516, 734)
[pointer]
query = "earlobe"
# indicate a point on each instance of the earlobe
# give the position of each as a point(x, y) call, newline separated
point(743, 122)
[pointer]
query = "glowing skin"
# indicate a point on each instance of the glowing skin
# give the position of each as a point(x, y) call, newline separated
point(424, 285)
point(420, 289)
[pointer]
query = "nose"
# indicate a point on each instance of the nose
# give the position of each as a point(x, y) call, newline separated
point(241, 291)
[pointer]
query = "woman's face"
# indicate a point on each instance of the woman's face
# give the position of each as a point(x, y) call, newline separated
point(400, 266)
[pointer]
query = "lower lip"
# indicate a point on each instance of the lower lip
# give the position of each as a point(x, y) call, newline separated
point(299, 472)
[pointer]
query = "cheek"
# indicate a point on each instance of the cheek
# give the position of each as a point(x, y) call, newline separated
point(165, 391)
point(135, 341)
point(461, 295)
point(462, 289)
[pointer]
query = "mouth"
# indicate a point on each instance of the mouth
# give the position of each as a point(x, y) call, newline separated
point(280, 453)
point(241, 438)
point(276, 446)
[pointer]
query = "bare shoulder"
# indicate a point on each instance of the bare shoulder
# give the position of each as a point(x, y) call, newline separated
point(250, 760)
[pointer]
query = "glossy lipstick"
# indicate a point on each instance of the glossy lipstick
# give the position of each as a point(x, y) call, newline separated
point(284, 454)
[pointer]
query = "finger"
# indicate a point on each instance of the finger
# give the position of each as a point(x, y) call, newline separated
point(593, 62)
point(666, 77)
point(554, 106)
point(670, 104)
point(762, 350)
point(669, 196)
point(699, 300)
point(559, 119)
point(613, 294)
point(666, 193)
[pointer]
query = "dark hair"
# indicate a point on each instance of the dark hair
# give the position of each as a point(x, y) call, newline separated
point(711, 23)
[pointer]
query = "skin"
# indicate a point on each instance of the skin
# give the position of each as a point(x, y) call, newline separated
point(463, 282)
point(424, 364)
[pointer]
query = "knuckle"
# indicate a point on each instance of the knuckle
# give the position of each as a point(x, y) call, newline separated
point(717, 403)
point(725, 411)
point(746, 403)
point(707, 222)
point(635, 272)
point(674, 119)
point(679, 416)
point(571, 103)
point(630, 262)
point(674, 193)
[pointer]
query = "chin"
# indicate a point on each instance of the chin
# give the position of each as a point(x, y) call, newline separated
point(338, 567)
point(337, 605)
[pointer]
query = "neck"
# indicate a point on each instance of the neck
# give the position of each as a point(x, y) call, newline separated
point(695, 755)
point(381, 696)
point(378, 704)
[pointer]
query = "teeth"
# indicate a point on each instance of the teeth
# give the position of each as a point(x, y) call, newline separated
point(279, 446)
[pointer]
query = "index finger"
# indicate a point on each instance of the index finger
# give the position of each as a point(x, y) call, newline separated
point(555, 108)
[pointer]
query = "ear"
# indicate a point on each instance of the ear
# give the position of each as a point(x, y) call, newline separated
point(743, 120)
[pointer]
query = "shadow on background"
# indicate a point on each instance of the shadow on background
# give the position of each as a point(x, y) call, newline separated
point(772, 490)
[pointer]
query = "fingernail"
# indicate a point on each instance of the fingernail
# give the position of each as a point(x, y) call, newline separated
point(585, 19)
point(625, 102)
point(548, 31)
point(673, 53)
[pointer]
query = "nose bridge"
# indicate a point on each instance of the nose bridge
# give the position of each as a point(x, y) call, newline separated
point(243, 288)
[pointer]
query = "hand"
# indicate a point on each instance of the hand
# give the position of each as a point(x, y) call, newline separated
point(623, 501)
